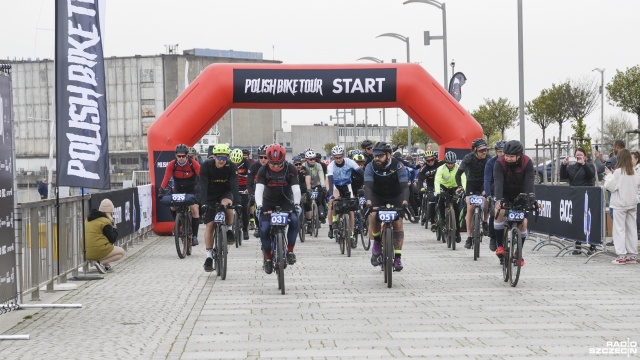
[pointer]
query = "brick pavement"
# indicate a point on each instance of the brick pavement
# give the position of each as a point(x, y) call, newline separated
point(443, 304)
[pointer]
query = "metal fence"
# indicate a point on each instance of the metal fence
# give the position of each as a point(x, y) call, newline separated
point(42, 259)
point(140, 178)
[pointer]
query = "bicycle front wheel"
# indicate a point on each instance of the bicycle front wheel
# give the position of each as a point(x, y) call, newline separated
point(346, 234)
point(451, 227)
point(315, 220)
point(516, 260)
point(506, 258)
point(222, 253)
point(281, 259)
point(179, 230)
point(388, 256)
point(302, 228)
point(364, 234)
point(477, 233)
point(237, 228)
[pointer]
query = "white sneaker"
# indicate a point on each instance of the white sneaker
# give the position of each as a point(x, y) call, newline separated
point(100, 268)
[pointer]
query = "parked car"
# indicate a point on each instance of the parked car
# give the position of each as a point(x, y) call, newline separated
point(551, 167)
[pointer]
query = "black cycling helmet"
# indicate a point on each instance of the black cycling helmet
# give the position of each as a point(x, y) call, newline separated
point(381, 146)
point(513, 147)
point(182, 149)
point(450, 157)
point(397, 155)
point(366, 144)
point(500, 145)
point(478, 143)
point(262, 150)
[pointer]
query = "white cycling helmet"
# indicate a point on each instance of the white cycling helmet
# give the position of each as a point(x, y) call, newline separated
point(310, 154)
point(337, 150)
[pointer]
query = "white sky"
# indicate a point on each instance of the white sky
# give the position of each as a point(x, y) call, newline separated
point(562, 39)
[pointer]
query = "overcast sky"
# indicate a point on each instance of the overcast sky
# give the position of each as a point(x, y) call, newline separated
point(562, 39)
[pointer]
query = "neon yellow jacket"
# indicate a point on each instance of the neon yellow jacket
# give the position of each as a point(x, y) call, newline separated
point(447, 178)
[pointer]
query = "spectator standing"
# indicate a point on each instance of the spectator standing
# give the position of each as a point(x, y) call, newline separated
point(581, 173)
point(100, 235)
point(635, 158)
point(598, 161)
point(43, 189)
point(624, 185)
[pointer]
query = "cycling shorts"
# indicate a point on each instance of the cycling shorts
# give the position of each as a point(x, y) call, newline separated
point(474, 188)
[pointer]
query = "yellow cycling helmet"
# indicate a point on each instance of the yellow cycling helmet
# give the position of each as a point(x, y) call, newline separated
point(236, 156)
point(359, 158)
point(221, 149)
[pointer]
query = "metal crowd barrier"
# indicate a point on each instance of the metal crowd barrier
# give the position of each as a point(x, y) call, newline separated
point(42, 259)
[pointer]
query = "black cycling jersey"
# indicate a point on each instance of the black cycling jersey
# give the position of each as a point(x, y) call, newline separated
point(252, 175)
point(277, 187)
point(473, 167)
point(357, 181)
point(512, 180)
point(216, 181)
point(389, 182)
point(428, 173)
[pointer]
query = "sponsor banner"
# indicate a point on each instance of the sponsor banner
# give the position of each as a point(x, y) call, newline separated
point(314, 86)
point(8, 280)
point(570, 212)
point(126, 213)
point(160, 160)
point(82, 152)
point(144, 195)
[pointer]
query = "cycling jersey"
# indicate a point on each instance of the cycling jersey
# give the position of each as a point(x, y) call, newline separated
point(428, 173)
point(243, 173)
point(473, 168)
point(389, 182)
point(512, 180)
point(252, 175)
point(184, 176)
point(316, 173)
point(216, 182)
point(488, 176)
point(340, 175)
point(279, 188)
point(447, 178)
point(357, 181)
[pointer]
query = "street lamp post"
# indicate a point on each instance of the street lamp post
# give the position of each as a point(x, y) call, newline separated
point(520, 73)
point(383, 111)
point(601, 70)
point(406, 40)
point(442, 7)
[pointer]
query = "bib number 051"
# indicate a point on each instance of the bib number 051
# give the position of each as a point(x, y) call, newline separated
point(387, 215)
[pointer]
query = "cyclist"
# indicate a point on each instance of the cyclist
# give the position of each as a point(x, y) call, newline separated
point(426, 176)
point(473, 167)
point(357, 179)
point(314, 179)
point(252, 174)
point(445, 180)
point(324, 164)
point(367, 151)
point(185, 172)
point(193, 155)
point(339, 173)
point(304, 192)
point(243, 164)
point(512, 175)
point(488, 188)
point(385, 182)
point(277, 185)
point(247, 155)
point(218, 184)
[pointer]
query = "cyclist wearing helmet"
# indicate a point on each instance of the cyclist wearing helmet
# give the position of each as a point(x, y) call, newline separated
point(512, 175)
point(277, 186)
point(339, 173)
point(304, 192)
point(237, 157)
point(385, 182)
point(185, 172)
point(247, 155)
point(445, 180)
point(194, 156)
point(357, 179)
point(218, 184)
point(473, 166)
point(367, 150)
point(252, 175)
point(488, 188)
point(314, 179)
point(425, 180)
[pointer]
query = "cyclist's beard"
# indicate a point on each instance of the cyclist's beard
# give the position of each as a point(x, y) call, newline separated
point(379, 165)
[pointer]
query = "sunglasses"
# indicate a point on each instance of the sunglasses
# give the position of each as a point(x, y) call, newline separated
point(314, 159)
point(430, 160)
point(482, 150)
point(379, 156)
point(181, 156)
point(297, 164)
point(262, 157)
point(369, 148)
point(277, 164)
point(221, 158)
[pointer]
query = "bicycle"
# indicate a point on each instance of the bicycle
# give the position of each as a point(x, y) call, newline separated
point(516, 214)
point(428, 198)
point(477, 201)
point(447, 232)
point(220, 239)
point(182, 224)
point(342, 207)
point(361, 226)
point(413, 204)
point(315, 213)
point(302, 227)
point(279, 222)
point(387, 215)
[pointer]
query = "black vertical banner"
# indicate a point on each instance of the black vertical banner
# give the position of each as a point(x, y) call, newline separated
point(82, 146)
point(161, 159)
point(8, 280)
point(126, 203)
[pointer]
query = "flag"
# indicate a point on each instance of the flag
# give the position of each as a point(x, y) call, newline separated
point(82, 144)
point(455, 85)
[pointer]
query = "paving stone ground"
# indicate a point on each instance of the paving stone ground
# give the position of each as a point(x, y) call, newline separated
point(442, 305)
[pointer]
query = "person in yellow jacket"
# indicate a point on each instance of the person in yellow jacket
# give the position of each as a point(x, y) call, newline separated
point(100, 235)
point(445, 180)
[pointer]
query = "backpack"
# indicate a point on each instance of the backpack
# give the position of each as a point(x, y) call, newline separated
point(190, 165)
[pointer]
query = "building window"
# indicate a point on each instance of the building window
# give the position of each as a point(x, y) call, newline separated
point(288, 144)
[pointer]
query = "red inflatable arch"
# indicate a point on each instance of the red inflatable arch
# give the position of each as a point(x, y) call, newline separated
point(221, 87)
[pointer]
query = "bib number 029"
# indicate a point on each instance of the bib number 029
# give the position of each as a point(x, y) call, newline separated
point(178, 197)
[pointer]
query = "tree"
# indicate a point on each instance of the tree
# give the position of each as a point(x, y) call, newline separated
point(624, 91)
point(496, 116)
point(538, 111)
point(557, 104)
point(614, 129)
point(328, 146)
point(417, 136)
point(582, 98)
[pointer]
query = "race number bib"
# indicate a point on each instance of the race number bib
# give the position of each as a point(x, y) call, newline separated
point(362, 201)
point(476, 200)
point(387, 215)
point(219, 218)
point(516, 216)
point(178, 197)
point(279, 219)
point(314, 195)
